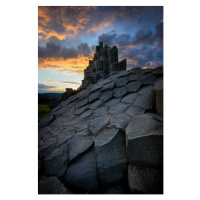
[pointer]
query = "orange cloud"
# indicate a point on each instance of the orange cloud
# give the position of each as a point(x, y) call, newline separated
point(73, 65)
point(73, 23)
point(64, 82)
point(132, 61)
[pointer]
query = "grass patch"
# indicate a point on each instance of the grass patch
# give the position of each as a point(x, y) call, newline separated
point(43, 111)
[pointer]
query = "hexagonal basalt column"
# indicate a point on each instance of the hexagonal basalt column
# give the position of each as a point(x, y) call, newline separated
point(110, 156)
point(144, 141)
point(81, 175)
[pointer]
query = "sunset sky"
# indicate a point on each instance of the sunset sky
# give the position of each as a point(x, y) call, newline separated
point(67, 37)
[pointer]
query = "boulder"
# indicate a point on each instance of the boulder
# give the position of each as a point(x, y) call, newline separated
point(108, 86)
point(51, 185)
point(100, 111)
point(133, 111)
point(95, 95)
point(64, 135)
point(82, 102)
point(119, 92)
point(81, 175)
point(118, 108)
point(110, 156)
point(83, 123)
point(80, 110)
point(57, 121)
point(59, 112)
point(55, 162)
point(133, 77)
point(85, 114)
point(119, 121)
point(145, 89)
point(45, 121)
point(145, 101)
point(112, 102)
point(121, 82)
point(98, 124)
point(129, 98)
point(46, 147)
point(78, 144)
point(69, 112)
point(95, 104)
point(133, 86)
point(144, 141)
point(105, 96)
point(145, 180)
point(69, 121)
point(149, 79)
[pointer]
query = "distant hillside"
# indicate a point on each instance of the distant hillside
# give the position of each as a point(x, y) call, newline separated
point(50, 95)
point(45, 98)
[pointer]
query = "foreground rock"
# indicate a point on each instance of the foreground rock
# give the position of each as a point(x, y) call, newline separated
point(106, 139)
point(51, 185)
point(145, 180)
point(110, 156)
point(81, 176)
point(144, 141)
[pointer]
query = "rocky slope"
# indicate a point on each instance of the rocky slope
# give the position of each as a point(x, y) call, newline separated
point(107, 139)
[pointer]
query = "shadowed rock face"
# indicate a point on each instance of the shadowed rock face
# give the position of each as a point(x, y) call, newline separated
point(106, 139)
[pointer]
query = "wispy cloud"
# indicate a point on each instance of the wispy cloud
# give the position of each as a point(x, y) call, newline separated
point(65, 82)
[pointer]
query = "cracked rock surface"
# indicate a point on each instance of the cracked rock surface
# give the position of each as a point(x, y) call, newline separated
point(106, 139)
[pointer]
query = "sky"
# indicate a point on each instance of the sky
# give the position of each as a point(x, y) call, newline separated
point(67, 37)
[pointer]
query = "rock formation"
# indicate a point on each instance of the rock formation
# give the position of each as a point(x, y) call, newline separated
point(107, 138)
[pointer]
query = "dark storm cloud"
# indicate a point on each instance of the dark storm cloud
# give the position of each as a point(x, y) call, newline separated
point(144, 48)
point(136, 31)
point(112, 38)
point(54, 49)
point(57, 27)
point(84, 49)
point(146, 55)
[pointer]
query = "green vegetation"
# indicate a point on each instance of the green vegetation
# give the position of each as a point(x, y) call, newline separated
point(43, 110)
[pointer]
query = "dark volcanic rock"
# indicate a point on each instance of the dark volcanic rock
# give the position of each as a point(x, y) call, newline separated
point(105, 96)
point(144, 141)
point(64, 135)
point(149, 79)
point(55, 163)
point(81, 175)
point(46, 147)
point(119, 121)
point(98, 124)
point(107, 138)
point(133, 111)
point(100, 111)
point(119, 92)
point(145, 180)
point(145, 101)
point(108, 86)
point(121, 82)
point(78, 144)
point(133, 77)
point(118, 108)
point(95, 95)
point(51, 185)
point(130, 98)
point(83, 123)
point(133, 86)
point(110, 155)
point(45, 121)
